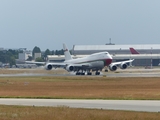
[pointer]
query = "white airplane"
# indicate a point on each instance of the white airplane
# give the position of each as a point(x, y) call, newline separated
point(94, 62)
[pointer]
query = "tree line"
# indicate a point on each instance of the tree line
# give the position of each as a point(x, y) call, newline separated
point(10, 56)
point(46, 52)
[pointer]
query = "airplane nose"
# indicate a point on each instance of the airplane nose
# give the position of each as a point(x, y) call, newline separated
point(108, 61)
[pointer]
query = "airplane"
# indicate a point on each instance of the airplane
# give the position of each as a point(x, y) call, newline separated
point(94, 62)
point(133, 51)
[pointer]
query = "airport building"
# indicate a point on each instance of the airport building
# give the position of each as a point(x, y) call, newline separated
point(115, 49)
point(24, 55)
point(149, 53)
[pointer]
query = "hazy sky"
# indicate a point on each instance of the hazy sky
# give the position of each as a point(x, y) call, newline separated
point(49, 23)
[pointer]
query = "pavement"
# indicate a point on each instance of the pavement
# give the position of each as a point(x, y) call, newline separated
point(129, 105)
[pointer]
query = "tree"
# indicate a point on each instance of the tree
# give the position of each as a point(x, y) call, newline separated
point(9, 56)
point(53, 52)
point(56, 52)
point(12, 61)
point(39, 59)
point(36, 50)
point(47, 52)
point(59, 52)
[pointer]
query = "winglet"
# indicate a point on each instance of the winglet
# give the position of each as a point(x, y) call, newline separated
point(66, 53)
point(133, 51)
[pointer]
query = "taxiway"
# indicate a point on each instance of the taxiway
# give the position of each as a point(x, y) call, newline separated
point(129, 105)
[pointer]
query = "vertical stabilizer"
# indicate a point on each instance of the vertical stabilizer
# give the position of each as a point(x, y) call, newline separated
point(66, 53)
point(133, 51)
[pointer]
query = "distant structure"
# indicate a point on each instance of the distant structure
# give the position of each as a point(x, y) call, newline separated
point(110, 43)
point(22, 49)
point(116, 49)
point(24, 55)
point(37, 55)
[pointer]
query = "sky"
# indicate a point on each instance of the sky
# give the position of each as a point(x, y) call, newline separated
point(48, 24)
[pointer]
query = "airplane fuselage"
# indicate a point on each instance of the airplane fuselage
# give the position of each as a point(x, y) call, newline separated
point(97, 60)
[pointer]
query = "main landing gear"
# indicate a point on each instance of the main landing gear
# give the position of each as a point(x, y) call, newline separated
point(80, 73)
point(97, 73)
point(88, 73)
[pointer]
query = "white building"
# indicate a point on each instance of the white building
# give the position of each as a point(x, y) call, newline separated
point(25, 55)
point(116, 49)
point(37, 55)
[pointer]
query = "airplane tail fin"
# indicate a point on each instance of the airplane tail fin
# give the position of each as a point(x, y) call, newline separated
point(66, 53)
point(133, 51)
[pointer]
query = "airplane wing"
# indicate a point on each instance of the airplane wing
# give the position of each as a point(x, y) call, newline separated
point(58, 64)
point(48, 65)
point(122, 65)
point(54, 64)
point(67, 66)
point(122, 62)
point(33, 62)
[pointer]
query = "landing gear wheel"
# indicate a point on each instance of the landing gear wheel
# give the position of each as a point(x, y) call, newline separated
point(89, 73)
point(82, 73)
point(97, 73)
point(77, 73)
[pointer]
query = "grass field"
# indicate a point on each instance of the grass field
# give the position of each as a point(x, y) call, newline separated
point(80, 87)
point(66, 113)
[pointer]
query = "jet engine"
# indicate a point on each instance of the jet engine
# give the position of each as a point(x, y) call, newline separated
point(112, 67)
point(70, 68)
point(48, 67)
point(123, 66)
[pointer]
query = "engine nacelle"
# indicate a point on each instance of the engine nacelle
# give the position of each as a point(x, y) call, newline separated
point(48, 67)
point(123, 66)
point(112, 67)
point(70, 68)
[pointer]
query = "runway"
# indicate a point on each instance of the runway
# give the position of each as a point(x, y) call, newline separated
point(131, 72)
point(129, 105)
point(152, 74)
